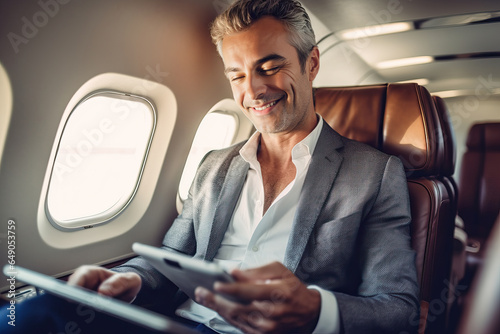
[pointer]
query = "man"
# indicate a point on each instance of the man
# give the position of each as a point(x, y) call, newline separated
point(316, 226)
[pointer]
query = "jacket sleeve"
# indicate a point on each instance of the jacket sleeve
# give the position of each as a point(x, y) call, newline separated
point(387, 297)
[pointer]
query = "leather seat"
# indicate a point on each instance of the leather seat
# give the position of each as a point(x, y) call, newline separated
point(483, 307)
point(401, 119)
point(450, 148)
point(460, 236)
point(479, 183)
point(479, 200)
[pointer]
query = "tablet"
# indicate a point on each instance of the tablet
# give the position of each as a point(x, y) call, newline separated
point(183, 270)
point(114, 307)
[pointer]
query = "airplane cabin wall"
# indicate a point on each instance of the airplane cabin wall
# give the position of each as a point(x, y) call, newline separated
point(48, 52)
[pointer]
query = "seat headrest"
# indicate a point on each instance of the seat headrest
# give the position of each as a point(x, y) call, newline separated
point(484, 137)
point(399, 119)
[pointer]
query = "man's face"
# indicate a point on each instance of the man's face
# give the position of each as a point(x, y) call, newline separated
point(266, 77)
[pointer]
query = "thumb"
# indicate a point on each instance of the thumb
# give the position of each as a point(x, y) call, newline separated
point(266, 273)
point(124, 286)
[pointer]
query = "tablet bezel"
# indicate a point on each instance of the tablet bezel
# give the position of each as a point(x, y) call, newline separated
point(183, 270)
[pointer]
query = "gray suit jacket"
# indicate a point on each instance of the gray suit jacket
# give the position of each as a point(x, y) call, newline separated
point(350, 234)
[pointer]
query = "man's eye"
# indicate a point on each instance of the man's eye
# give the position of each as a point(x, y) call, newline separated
point(270, 71)
point(235, 78)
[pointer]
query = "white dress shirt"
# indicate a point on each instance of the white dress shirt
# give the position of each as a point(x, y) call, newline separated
point(255, 239)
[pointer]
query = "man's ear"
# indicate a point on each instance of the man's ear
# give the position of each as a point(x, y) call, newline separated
point(313, 63)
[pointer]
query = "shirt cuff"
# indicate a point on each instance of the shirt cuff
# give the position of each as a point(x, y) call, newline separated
point(329, 317)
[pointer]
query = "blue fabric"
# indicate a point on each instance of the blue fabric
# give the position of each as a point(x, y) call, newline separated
point(53, 315)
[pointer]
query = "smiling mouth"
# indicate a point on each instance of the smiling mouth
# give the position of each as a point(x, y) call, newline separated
point(266, 106)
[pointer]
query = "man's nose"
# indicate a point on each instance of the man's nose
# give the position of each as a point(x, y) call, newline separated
point(256, 87)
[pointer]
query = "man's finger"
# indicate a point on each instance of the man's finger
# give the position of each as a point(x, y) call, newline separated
point(89, 277)
point(263, 274)
point(206, 298)
point(250, 318)
point(124, 286)
point(273, 291)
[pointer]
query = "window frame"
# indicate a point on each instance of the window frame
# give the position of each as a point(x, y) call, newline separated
point(91, 222)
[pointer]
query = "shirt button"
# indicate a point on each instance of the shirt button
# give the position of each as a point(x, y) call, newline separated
point(255, 248)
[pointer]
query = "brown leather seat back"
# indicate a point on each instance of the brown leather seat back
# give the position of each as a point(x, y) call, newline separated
point(479, 183)
point(401, 119)
point(450, 149)
point(449, 139)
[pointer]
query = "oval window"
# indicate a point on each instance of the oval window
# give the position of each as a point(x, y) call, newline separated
point(100, 158)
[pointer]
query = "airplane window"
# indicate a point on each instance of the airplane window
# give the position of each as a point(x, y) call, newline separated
point(100, 158)
point(5, 107)
point(216, 131)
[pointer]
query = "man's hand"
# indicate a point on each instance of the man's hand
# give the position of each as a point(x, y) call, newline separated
point(278, 301)
point(124, 286)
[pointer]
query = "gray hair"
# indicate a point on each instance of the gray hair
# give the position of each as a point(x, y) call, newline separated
point(243, 13)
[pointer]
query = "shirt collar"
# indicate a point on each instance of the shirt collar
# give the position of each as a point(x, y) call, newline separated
point(304, 148)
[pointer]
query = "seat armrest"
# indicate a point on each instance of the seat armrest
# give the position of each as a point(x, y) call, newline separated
point(460, 240)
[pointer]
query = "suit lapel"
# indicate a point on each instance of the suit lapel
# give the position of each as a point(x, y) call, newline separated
point(226, 204)
point(325, 164)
